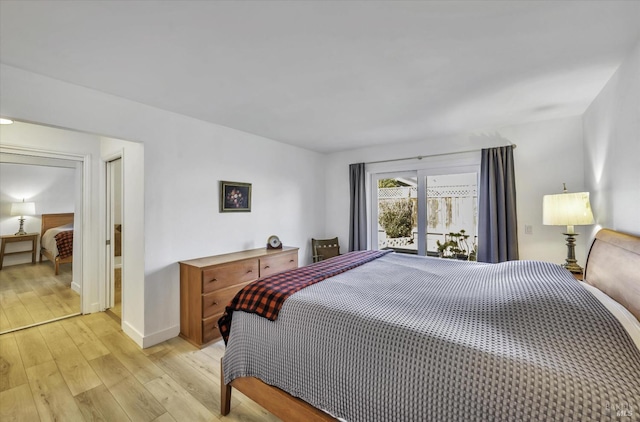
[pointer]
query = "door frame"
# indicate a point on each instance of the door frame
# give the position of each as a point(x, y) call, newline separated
point(109, 232)
point(81, 255)
point(463, 162)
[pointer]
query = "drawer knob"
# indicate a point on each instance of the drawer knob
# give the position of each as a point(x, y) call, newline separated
point(291, 260)
point(249, 271)
point(212, 280)
point(266, 266)
point(214, 303)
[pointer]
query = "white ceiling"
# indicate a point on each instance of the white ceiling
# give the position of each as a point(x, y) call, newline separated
point(332, 75)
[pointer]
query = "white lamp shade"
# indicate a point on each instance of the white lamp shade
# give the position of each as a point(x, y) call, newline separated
point(23, 208)
point(567, 209)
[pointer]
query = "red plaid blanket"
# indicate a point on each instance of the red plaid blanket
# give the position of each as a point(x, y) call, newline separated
point(64, 242)
point(266, 296)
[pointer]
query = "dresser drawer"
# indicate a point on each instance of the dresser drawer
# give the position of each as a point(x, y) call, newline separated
point(215, 302)
point(230, 274)
point(210, 329)
point(277, 263)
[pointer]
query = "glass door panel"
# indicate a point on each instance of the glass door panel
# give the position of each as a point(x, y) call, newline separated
point(451, 218)
point(395, 222)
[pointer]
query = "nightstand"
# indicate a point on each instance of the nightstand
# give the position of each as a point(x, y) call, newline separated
point(578, 276)
point(10, 238)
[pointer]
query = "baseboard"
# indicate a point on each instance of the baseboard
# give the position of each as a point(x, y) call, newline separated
point(133, 333)
point(76, 287)
point(150, 340)
point(160, 336)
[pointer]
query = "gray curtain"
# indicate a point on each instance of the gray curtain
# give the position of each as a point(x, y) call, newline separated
point(358, 209)
point(497, 225)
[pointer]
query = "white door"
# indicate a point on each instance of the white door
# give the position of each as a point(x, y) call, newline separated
point(114, 235)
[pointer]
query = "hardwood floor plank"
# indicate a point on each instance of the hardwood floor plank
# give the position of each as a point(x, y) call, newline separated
point(57, 306)
point(100, 324)
point(52, 396)
point(18, 316)
point(128, 353)
point(166, 417)
point(195, 382)
point(195, 357)
point(215, 351)
point(35, 306)
point(136, 400)
point(43, 290)
point(17, 404)
point(5, 325)
point(74, 368)
point(182, 405)
point(249, 411)
point(33, 348)
point(12, 372)
point(99, 405)
point(89, 344)
point(9, 298)
point(109, 369)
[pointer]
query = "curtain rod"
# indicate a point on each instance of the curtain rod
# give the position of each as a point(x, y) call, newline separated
point(420, 157)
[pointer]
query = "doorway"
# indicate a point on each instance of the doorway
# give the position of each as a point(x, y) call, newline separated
point(38, 291)
point(114, 236)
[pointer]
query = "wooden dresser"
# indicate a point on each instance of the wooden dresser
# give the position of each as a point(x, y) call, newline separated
point(208, 284)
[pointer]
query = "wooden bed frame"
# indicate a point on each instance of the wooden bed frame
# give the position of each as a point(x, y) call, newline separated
point(612, 266)
point(50, 221)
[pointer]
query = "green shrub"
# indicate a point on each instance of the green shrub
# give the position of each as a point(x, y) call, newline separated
point(396, 217)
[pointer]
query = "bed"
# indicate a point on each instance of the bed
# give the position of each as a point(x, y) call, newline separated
point(518, 340)
point(60, 225)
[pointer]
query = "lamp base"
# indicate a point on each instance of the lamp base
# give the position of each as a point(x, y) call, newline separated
point(571, 263)
point(21, 232)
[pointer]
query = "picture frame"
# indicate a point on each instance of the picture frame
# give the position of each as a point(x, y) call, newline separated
point(235, 196)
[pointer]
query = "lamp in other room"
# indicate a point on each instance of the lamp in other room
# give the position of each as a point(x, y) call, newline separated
point(21, 209)
point(568, 209)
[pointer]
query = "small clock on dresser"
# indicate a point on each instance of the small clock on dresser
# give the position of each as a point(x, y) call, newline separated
point(274, 242)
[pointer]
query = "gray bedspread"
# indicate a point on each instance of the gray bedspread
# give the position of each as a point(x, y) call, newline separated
point(407, 338)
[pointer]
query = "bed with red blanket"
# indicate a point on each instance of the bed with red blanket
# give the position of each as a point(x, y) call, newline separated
point(400, 337)
point(56, 239)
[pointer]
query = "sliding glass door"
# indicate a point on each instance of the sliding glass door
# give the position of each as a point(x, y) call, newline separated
point(426, 212)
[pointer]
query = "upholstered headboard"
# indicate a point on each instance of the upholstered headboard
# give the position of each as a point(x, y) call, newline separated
point(613, 266)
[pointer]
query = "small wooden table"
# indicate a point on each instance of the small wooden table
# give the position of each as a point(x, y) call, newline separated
point(10, 238)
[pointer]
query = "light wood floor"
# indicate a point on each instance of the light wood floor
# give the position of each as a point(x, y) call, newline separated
point(86, 369)
point(31, 294)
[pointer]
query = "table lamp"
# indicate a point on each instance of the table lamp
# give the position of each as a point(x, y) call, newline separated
point(568, 209)
point(21, 209)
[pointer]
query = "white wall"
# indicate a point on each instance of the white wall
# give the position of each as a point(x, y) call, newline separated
point(612, 149)
point(547, 154)
point(51, 188)
point(184, 159)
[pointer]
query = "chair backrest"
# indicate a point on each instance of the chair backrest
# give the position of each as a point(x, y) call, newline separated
point(325, 248)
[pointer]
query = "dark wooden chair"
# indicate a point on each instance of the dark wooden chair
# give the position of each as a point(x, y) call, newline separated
point(324, 248)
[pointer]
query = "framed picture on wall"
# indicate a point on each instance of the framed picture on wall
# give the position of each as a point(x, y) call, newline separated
point(235, 197)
